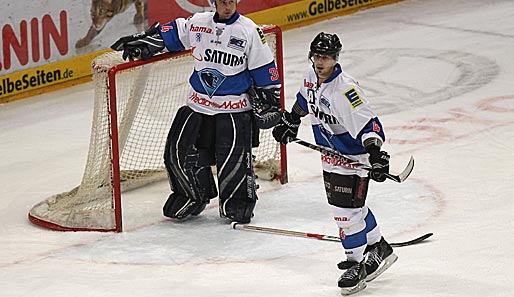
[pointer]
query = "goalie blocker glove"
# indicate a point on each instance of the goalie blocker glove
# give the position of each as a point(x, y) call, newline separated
point(266, 106)
point(142, 45)
point(378, 159)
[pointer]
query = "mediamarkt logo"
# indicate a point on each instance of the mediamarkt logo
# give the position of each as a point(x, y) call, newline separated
point(337, 162)
point(225, 105)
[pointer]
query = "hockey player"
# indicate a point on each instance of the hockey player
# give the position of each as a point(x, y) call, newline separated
point(342, 119)
point(217, 125)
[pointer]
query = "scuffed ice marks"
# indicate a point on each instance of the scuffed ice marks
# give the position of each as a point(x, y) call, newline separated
point(399, 79)
point(209, 239)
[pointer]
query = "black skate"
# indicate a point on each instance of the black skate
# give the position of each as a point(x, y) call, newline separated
point(380, 257)
point(353, 279)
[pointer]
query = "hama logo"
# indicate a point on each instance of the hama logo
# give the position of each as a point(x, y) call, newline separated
point(353, 97)
point(237, 43)
point(201, 29)
point(341, 219)
point(308, 84)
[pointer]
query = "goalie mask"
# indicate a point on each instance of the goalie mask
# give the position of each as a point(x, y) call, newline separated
point(325, 44)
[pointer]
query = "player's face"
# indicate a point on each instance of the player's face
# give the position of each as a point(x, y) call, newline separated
point(324, 66)
point(225, 8)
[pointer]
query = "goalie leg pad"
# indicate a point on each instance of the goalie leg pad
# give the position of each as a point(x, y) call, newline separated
point(180, 207)
point(346, 191)
point(235, 169)
point(188, 166)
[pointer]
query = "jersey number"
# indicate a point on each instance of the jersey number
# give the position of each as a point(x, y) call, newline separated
point(274, 74)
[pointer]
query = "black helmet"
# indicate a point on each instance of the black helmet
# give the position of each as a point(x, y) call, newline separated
point(325, 44)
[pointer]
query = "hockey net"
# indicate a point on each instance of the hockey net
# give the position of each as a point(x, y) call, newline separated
point(134, 107)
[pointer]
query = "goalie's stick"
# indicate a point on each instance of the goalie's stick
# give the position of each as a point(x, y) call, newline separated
point(238, 226)
point(347, 162)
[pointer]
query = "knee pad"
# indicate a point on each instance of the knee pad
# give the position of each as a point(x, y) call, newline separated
point(180, 207)
point(347, 191)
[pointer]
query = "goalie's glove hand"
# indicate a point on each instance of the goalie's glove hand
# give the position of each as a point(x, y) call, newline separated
point(287, 128)
point(379, 161)
point(266, 106)
point(142, 45)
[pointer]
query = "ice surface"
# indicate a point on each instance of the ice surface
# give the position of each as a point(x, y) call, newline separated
point(441, 76)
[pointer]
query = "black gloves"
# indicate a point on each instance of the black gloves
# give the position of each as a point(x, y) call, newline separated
point(378, 159)
point(266, 106)
point(141, 45)
point(287, 128)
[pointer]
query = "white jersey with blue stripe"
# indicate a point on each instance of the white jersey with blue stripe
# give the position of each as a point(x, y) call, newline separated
point(341, 117)
point(229, 57)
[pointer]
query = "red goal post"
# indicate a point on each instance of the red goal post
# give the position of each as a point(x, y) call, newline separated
point(134, 106)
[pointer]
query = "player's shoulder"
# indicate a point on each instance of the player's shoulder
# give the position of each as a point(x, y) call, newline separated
point(347, 79)
point(202, 16)
point(349, 91)
point(249, 27)
point(246, 21)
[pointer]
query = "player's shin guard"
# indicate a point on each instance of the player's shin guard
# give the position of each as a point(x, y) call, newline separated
point(235, 169)
point(190, 178)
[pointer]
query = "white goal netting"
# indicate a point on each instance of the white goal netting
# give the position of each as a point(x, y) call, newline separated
point(134, 107)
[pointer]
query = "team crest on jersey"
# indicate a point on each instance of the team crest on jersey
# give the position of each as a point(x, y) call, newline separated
point(237, 43)
point(261, 35)
point(211, 80)
point(353, 97)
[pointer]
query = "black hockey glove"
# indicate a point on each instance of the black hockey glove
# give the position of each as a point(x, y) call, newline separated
point(266, 106)
point(378, 159)
point(142, 45)
point(287, 128)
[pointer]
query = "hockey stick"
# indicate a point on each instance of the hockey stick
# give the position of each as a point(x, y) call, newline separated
point(238, 226)
point(347, 162)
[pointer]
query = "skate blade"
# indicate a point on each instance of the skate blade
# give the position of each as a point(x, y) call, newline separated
point(383, 267)
point(352, 290)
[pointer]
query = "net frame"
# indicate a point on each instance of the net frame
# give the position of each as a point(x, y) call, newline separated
point(114, 180)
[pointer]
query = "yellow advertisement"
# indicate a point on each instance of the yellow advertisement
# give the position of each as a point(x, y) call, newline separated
point(304, 12)
point(28, 82)
point(47, 44)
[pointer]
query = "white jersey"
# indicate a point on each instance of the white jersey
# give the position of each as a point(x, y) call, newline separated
point(341, 117)
point(228, 58)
